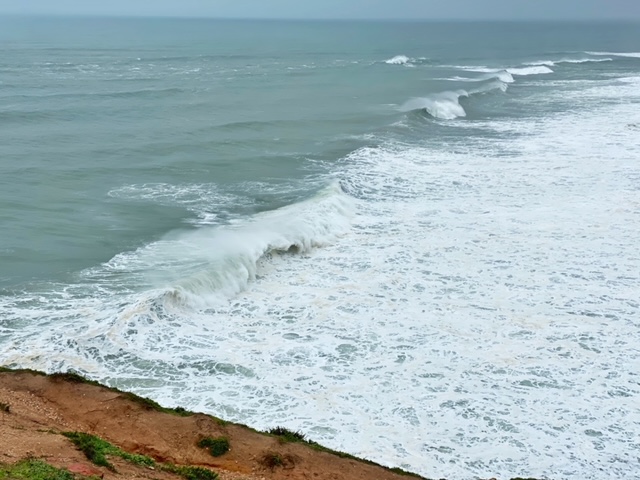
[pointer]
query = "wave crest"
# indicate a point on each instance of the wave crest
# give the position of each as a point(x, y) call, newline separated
point(615, 54)
point(446, 105)
point(398, 60)
point(201, 267)
point(521, 71)
point(531, 70)
point(443, 105)
point(553, 63)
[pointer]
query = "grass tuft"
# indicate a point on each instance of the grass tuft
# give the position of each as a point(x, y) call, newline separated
point(217, 446)
point(5, 407)
point(149, 404)
point(94, 448)
point(72, 377)
point(32, 469)
point(288, 435)
point(97, 449)
point(190, 473)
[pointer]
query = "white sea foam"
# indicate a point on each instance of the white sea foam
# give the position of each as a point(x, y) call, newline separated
point(551, 63)
point(398, 60)
point(546, 63)
point(532, 70)
point(616, 54)
point(502, 75)
point(523, 71)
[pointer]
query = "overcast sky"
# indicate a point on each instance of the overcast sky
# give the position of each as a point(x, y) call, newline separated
point(347, 9)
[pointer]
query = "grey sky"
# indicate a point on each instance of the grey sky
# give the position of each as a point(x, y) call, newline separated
point(378, 9)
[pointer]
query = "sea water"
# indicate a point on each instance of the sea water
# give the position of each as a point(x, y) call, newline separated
point(414, 242)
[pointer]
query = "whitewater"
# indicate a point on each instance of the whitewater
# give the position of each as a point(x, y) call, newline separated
point(432, 267)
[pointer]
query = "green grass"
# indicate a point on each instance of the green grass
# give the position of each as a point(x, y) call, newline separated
point(217, 446)
point(97, 449)
point(190, 473)
point(32, 469)
point(72, 377)
point(288, 435)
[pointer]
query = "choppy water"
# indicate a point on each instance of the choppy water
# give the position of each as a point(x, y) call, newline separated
point(417, 243)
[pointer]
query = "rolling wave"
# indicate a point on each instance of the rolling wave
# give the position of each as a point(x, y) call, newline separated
point(552, 63)
point(532, 70)
point(615, 54)
point(502, 75)
point(201, 267)
point(446, 105)
point(520, 71)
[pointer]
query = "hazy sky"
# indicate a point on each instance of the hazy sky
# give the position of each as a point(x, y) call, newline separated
point(378, 9)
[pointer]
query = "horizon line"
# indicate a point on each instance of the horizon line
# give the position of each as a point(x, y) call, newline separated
point(320, 19)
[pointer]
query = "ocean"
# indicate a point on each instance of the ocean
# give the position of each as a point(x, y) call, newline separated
point(414, 242)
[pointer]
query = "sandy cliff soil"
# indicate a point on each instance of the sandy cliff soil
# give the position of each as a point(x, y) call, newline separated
point(40, 408)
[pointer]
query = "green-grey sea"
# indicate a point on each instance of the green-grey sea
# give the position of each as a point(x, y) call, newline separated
point(416, 242)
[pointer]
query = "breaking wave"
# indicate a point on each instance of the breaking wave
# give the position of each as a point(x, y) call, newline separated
point(615, 54)
point(446, 105)
point(552, 63)
point(203, 266)
point(502, 75)
point(532, 70)
point(520, 71)
point(398, 60)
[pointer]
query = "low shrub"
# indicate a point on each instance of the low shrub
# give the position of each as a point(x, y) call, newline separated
point(217, 446)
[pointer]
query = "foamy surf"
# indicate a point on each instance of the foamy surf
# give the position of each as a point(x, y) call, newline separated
point(212, 264)
point(186, 271)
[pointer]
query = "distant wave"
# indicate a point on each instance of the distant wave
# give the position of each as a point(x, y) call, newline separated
point(406, 61)
point(446, 105)
point(552, 63)
point(521, 71)
point(502, 75)
point(616, 54)
point(533, 70)
point(398, 60)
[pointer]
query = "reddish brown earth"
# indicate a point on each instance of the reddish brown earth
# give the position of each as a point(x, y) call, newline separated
point(40, 407)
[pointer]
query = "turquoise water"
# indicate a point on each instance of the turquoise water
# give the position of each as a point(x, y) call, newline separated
point(414, 241)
